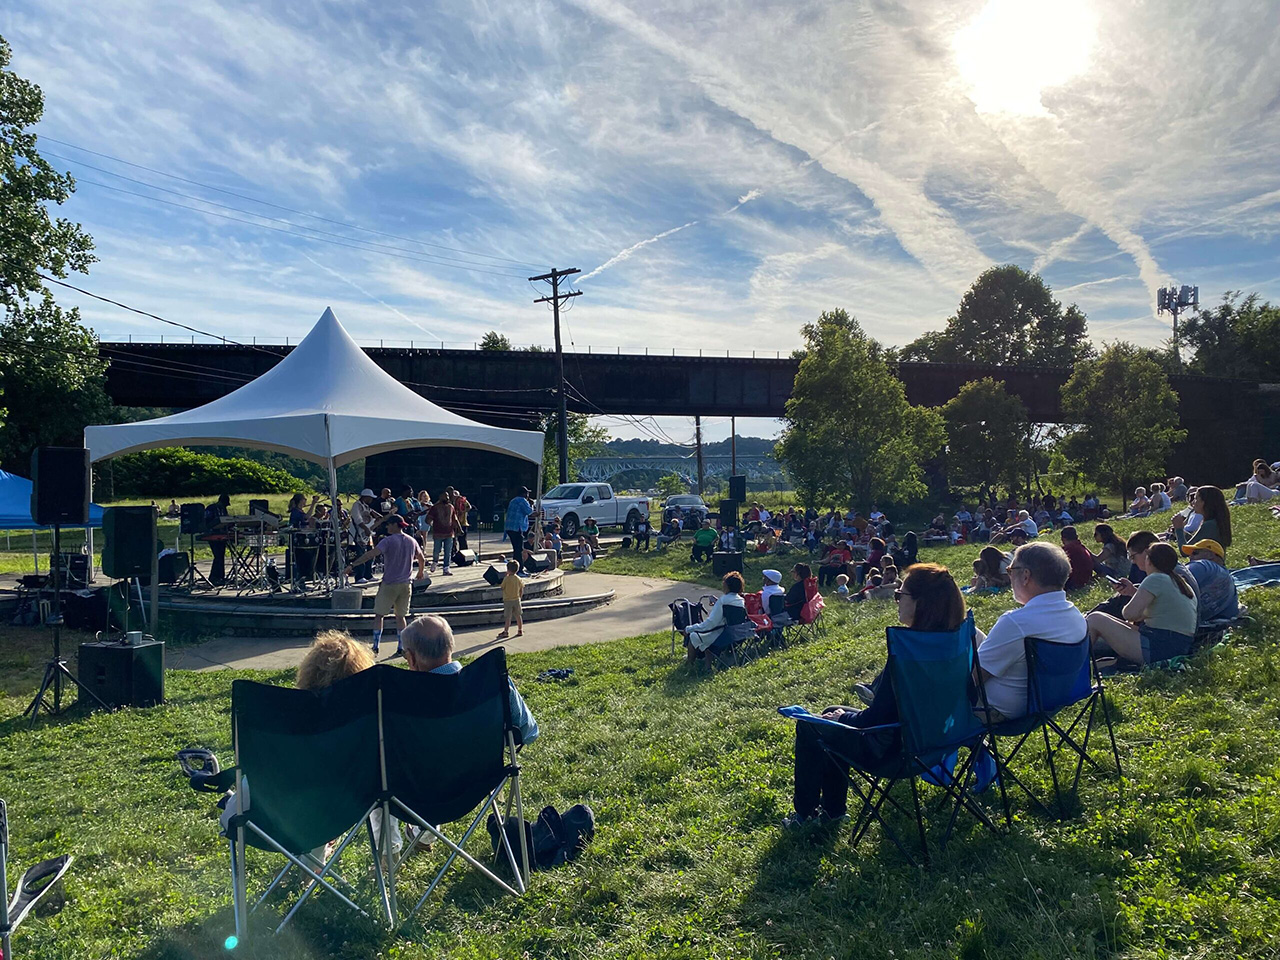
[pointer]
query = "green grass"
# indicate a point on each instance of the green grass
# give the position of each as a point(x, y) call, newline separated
point(689, 776)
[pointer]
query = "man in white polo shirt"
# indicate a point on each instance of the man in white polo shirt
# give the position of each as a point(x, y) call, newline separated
point(1038, 574)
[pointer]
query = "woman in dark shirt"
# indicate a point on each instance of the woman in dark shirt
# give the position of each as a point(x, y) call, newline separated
point(795, 598)
point(927, 600)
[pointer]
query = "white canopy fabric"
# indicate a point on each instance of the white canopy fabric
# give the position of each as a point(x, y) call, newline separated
point(327, 402)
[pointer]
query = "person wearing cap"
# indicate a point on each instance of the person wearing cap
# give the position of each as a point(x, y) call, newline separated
point(398, 551)
point(772, 587)
point(1218, 597)
point(363, 517)
point(516, 528)
point(704, 542)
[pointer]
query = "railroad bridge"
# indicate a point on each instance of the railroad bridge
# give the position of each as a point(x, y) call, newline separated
point(1229, 422)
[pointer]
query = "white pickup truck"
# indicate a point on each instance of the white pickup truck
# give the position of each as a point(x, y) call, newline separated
point(572, 503)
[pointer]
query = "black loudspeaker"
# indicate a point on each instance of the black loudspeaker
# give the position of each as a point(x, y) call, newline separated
point(191, 519)
point(729, 514)
point(60, 485)
point(259, 506)
point(172, 567)
point(738, 489)
point(85, 613)
point(722, 562)
point(130, 541)
point(493, 576)
point(464, 558)
point(124, 676)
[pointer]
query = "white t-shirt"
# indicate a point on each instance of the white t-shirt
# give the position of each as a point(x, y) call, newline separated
point(1050, 616)
point(1029, 525)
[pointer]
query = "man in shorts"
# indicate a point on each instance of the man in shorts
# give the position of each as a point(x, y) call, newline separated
point(398, 551)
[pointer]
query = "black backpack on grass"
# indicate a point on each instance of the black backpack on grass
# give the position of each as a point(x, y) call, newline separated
point(553, 840)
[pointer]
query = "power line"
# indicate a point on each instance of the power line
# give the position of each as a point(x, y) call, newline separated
point(277, 206)
point(349, 242)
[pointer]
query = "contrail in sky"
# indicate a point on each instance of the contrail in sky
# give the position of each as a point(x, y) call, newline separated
point(619, 257)
point(375, 299)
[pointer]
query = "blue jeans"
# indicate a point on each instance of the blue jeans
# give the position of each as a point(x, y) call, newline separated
point(447, 544)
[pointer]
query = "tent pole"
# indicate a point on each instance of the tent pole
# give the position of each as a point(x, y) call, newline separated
point(335, 551)
point(34, 554)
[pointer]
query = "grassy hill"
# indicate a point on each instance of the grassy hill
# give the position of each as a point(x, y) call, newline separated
point(689, 776)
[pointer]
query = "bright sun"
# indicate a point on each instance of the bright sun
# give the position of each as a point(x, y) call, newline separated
point(1014, 49)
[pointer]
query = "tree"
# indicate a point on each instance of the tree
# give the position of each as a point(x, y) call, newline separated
point(1128, 417)
point(50, 371)
point(670, 484)
point(849, 431)
point(30, 239)
point(586, 439)
point(987, 430)
point(1008, 316)
point(52, 380)
point(1237, 338)
point(493, 340)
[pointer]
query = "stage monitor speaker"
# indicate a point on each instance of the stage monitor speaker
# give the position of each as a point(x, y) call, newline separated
point(493, 576)
point(723, 561)
point(259, 506)
point(60, 485)
point(738, 489)
point(729, 514)
point(130, 541)
point(124, 675)
point(191, 519)
point(172, 567)
point(464, 558)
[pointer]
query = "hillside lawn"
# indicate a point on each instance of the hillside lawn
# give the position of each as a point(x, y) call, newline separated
point(689, 776)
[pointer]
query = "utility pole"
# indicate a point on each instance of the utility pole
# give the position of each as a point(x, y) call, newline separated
point(697, 433)
point(556, 297)
point(733, 446)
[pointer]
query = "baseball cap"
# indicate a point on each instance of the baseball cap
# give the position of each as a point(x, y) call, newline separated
point(1213, 546)
point(773, 576)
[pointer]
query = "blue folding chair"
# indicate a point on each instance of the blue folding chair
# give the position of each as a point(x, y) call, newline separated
point(931, 677)
point(1059, 676)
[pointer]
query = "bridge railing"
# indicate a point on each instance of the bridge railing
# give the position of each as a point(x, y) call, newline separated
point(390, 343)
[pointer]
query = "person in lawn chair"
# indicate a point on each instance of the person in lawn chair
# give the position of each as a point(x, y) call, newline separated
point(333, 656)
point(928, 599)
point(428, 648)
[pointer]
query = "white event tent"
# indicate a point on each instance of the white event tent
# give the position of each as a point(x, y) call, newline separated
point(327, 402)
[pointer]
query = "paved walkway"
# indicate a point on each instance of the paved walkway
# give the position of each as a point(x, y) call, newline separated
point(639, 606)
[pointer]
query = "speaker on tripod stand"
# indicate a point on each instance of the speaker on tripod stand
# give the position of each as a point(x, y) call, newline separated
point(59, 494)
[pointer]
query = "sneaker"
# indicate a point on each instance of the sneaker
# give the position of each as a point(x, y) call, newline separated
point(363, 580)
point(824, 819)
point(399, 652)
point(375, 649)
point(795, 821)
point(447, 573)
point(865, 693)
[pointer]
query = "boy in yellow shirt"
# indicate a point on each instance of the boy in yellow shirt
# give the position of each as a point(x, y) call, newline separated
point(512, 591)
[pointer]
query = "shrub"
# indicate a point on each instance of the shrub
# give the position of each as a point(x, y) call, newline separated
point(174, 471)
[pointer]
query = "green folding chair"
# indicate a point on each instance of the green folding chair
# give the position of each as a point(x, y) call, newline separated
point(313, 765)
point(450, 748)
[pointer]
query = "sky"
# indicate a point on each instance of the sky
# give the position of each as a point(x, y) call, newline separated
point(720, 173)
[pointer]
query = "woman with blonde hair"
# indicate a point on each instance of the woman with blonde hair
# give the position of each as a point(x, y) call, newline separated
point(333, 656)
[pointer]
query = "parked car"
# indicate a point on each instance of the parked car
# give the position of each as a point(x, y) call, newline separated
point(573, 503)
point(691, 507)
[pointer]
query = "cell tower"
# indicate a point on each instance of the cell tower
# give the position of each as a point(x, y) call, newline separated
point(1174, 300)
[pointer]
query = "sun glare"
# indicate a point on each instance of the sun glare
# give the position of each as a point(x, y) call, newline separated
point(1015, 49)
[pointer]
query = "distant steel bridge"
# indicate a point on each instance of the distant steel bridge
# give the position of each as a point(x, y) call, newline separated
point(757, 467)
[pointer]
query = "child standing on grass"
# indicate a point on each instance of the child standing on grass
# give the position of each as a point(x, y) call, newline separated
point(512, 591)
